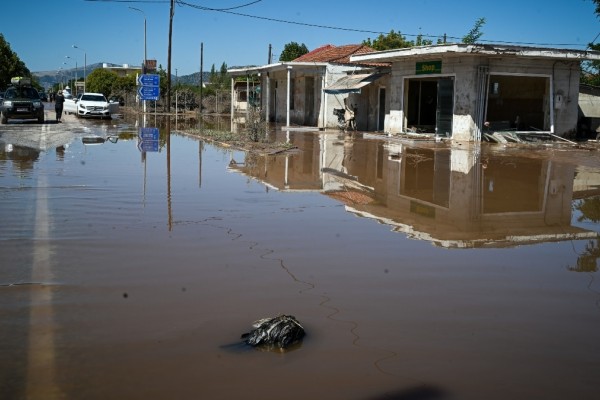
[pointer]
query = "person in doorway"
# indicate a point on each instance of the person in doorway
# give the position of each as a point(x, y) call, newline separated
point(59, 101)
point(349, 116)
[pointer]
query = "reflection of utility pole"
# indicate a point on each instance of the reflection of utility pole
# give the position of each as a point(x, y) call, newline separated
point(168, 145)
point(200, 149)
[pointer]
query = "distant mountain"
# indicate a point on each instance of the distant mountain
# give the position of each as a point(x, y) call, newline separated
point(192, 79)
point(49, 78)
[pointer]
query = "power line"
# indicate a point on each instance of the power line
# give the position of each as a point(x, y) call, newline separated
point(339, 28)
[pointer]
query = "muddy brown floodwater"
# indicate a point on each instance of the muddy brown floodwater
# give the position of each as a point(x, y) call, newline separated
point(419, 270)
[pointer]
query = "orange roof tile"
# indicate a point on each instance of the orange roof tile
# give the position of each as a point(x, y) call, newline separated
point(334, 54)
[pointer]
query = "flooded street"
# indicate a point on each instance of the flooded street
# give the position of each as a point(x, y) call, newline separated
point(419, 270)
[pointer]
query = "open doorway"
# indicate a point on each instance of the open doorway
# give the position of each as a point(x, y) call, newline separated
point(430, 105)
point(519, 103)
point(381, 109)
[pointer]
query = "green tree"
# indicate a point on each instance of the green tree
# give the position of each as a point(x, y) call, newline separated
point(590, 70)
point(292, 50)
point(213, 77)
point(223, 75)
point(125, 83)
point(163, 87)
point(218, 81)
point(101, 81)
point(10, 64)
point(475, 33)
point(393, 40)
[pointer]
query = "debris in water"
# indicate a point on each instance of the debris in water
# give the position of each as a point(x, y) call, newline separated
point(280, 331)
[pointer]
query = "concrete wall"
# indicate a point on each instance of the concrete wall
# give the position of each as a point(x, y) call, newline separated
point(564, 84)
point(367, 104)
point(311, 106)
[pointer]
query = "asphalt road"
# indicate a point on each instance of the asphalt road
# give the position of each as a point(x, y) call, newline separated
point(50, 134)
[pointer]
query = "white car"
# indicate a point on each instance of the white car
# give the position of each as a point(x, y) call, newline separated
point(93, 105)
point(70, 104)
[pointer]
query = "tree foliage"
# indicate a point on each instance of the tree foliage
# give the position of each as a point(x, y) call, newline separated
point(292, 50)
point(219, 79)
point(10, 64)
point(101, 81)
point(590, 70)
point(475, 33)
point(395, 40)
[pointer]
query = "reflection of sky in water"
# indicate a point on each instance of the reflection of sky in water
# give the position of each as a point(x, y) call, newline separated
point(201, 251)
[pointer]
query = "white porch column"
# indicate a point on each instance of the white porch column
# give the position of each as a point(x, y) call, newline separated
point(267, 100)
point(232, 97)
point(287, 115)
point(247, 97)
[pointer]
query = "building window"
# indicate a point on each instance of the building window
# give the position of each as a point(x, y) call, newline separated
point(518, 102)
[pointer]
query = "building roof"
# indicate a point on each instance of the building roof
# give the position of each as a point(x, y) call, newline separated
point(335, 54)
point(318, 50)
point(321, 56)
point(475, 49)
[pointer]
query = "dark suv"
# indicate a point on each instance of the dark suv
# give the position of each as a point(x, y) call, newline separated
point(21, 101)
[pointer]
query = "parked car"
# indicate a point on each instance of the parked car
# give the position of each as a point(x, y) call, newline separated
point(70, 104)
point(21, 101)
point(91, 105)
point(43, 96)
point(117, 99)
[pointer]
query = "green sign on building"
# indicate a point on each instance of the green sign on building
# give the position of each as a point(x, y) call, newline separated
point(429, 67)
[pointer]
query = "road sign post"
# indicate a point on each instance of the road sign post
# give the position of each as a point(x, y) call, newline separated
point(148, 139)
point(149, 86)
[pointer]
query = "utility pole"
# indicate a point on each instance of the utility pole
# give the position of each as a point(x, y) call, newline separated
point(201, 72)
point(172, 11)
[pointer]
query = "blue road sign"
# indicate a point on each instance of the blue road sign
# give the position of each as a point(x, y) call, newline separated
point(149, 80)
point(149, 92)
point(149, 134)
point(148, 139)
point(148, 145)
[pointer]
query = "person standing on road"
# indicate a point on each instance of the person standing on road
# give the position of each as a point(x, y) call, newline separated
point(58, 105)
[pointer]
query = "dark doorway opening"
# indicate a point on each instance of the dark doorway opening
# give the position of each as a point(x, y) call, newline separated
point(430, 105)
point(518, 103)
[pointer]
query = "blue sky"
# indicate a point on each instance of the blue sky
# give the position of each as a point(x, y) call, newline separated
point(44, 31)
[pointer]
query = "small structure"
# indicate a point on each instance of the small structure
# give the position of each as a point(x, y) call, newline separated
point(588, 124)
point(453, 90)
point(122, 70)
point(297, 92)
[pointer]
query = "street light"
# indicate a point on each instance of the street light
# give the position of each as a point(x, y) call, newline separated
point(76, 74)
point(67, 75)
point(84, 66)
point(61, 75)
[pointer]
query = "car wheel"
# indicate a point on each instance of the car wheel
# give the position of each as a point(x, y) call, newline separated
point(3, 118)
point(41, 119)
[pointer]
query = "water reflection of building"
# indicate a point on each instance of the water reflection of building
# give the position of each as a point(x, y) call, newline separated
point(447, 195)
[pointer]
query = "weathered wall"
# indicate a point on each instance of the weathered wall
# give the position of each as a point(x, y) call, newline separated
point(367, 104)
point(564, 77)
point(320, 112)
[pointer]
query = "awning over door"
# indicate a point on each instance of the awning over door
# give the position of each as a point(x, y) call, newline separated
point(352, 83)
point(589, 105)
